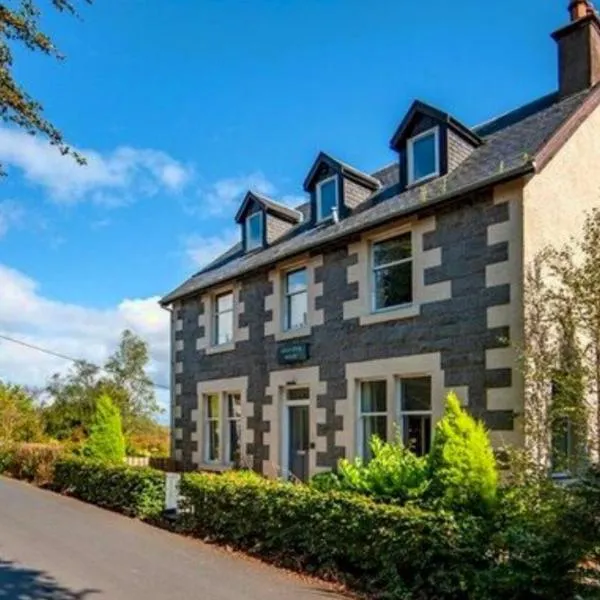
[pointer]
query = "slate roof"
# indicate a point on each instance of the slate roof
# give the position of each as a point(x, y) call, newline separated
point(288, 213)
point(512, 143)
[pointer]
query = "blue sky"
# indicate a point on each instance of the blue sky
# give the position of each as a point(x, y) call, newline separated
point(182, 105)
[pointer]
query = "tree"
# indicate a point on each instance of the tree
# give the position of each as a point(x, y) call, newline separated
point(462, 465)
point(19, 417)
point(106, 441)
point(20, 25)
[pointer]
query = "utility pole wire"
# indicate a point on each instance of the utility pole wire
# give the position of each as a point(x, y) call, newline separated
point(65, 357)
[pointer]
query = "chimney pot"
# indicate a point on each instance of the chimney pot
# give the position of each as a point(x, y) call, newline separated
point(580, 8)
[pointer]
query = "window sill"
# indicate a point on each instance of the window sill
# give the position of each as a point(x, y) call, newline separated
point(395, 314)
point(222, 348)
point(293, 333)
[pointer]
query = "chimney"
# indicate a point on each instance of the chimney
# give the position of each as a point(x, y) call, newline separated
point(578, 49)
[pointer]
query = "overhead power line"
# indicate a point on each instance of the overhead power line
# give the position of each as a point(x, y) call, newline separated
point(65, 356)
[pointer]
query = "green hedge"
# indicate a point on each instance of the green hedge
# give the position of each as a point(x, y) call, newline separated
point(137, 492)
point(404, 551)
point(31, 462)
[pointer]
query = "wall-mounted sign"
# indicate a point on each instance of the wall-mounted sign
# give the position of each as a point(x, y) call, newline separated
point(293, 353)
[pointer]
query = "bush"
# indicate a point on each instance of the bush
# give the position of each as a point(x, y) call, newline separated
point(136, 492)
point(401, 550)
point(31, 462)
point(462, 466)
point(394, 474)
point(106, 441)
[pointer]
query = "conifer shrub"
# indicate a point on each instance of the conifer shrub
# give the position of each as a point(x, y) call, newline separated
point(106, 441)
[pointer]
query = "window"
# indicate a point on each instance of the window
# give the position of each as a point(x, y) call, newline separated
point(415, 415)
point(327, 198)
point(234, 428)
point(254, 231)
point(212, 426)
point(392, 272)
point(373, 415)
point(296, 299)
point(423, 156)
point(223, 319)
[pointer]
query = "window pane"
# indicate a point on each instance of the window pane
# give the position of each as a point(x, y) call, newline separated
point(297, 308)
point(224, 328)
point(234, 406)
point(392, 250)
point(254, 230)
point(212, 406)
point(373, 426)
point(561, 445)
point(224, 302)
point(417, 433)
point(296, 281)
point(416, 394)
point(373, 396)
point(234, 441)
point(393, 286)
point(213, 441)
point(327, 198)
point(423, 152)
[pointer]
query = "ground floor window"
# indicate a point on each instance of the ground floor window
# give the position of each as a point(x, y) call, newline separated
point(222, 428)
point(373, 415)
point(416, 425)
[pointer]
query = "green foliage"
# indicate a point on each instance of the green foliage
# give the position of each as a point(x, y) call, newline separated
point(404, 551)
point(106, 441)
point(31, 462)
point(19, 416)
point(148, 438)
point(394, 474)
point(462, 465)
point(137, 492)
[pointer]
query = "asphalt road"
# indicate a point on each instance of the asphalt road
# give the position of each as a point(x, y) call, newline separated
point(56, 548)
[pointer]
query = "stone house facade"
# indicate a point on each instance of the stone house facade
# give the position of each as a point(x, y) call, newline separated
point(355, 313)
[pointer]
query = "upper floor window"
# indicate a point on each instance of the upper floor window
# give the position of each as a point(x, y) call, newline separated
point(327, 198)
point(254, 231)
point(223, 319)
point(424, 156)
point(296, 299)
point(392, 272)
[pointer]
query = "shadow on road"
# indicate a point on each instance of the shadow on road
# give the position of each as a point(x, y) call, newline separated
point(20, 583)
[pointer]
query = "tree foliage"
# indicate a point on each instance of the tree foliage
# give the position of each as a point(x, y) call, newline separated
point(20, 26)
point(19, 416)
point(106, 441)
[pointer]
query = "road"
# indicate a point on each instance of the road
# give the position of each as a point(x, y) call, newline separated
point(57, 548)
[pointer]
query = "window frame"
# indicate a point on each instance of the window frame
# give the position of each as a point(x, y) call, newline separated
point(216, 316)
point(206, 421)
point(435, 131)
point(374, 268)
point(287, 296)
point(361, 445)
point(260, 243)
point(228, 420)
point(334, 178)
point(223, 420)
point(401, 413)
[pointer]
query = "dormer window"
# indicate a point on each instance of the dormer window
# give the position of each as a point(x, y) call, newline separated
point(254, 231)
point(327, 198)
point(424, 156)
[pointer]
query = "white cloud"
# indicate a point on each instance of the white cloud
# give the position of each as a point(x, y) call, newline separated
point(201, 250)
point(115, 177)
point(73, 330)
point(11, 213)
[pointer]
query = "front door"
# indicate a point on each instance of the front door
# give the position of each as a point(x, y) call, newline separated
point(298, 436)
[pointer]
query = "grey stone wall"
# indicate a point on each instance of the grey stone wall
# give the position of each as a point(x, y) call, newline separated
point(456, 328)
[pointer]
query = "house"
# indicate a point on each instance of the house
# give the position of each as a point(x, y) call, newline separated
point(355, 313)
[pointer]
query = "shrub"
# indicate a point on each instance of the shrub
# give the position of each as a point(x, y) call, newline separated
point(137, 492)
point(106, 441)
point(394, 474)
point(32, 462)
point(404, 551)
point(462, 465)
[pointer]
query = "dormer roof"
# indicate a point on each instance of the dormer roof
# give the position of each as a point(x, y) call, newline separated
point(420, 109)
point(342, 168)
point(270, 206)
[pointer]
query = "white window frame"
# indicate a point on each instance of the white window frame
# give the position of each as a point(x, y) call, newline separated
point(228, 419)
point(223, 421)
point(395, 263)
point(217, 315)
point(287, 295)
point(435, 131)
point(206, 420)
point(360, 438)
point(320, 217)
point(259, 243)
point(413, 413)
